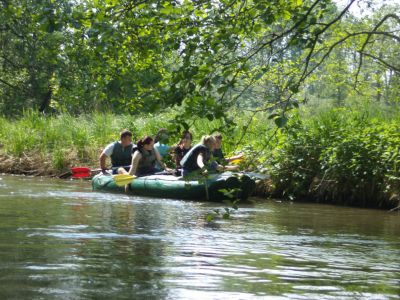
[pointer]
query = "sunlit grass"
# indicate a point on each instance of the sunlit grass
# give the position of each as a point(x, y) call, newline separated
point(83, 137)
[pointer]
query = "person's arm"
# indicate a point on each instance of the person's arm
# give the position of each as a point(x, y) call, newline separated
point(159, 160)
point(108, 150)
point(177, 158)
point(200, 160)
point(135, 162)
point(232, 158)
point(158, 155)
point(102, 159)
point(230, 168)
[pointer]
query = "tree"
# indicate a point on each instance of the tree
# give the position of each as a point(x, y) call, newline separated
point(206, 56)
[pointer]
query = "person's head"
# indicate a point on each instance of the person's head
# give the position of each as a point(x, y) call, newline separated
point(125, 137)
point(208, 141)
point(146, 143)
point(218, 140)
point(161, 136)
point(186, 139)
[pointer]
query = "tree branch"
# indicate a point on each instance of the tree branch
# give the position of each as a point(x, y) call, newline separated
point(369, 35)
point(9, 84)
point(383, 62)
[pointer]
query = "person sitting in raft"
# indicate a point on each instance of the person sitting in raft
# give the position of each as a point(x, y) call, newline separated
point(144, 159)
point(219, 155)
point(199, 156)
point(180, 150)
point(160, 143)
point(120, 153)
point(183, 147)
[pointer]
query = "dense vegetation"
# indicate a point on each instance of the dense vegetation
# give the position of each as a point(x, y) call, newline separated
point(340, 155)
point(334, 155)
point(207, 56)
point(74, 73)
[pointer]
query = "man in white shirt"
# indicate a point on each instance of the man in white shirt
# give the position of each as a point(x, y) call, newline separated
point(120, 153)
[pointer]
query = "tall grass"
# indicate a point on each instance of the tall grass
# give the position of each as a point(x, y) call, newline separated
point(66, 139)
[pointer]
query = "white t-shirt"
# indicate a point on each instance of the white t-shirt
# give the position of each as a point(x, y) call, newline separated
point(108, 150)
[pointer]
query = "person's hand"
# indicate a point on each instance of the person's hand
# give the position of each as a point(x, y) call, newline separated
point(204, 172)
point(169, 170)
point(240, 155)
point(231, 168)
point(220, 168)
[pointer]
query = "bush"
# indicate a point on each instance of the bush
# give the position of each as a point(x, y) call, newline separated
point(338, 156)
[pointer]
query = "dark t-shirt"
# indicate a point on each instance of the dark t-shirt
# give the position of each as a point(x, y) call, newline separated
point(189, 161)
point(219, 155)
point(179, 153)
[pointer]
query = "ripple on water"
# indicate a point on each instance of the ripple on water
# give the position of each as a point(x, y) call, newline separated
point(81, 244)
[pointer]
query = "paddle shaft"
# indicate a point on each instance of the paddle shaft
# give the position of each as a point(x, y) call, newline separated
point(112, 168)
point(81, 172)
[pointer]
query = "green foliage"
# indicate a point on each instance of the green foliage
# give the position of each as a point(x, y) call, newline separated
point(206, 57)
point(338, 156)
point(81, 138)
point(231, 206)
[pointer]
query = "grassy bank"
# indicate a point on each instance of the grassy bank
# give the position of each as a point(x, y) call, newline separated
point(39, 145)
point(337, 155)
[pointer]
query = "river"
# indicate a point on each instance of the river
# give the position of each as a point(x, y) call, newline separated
point(61, 240)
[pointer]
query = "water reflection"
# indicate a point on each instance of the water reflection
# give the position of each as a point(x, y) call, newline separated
point(61, 240)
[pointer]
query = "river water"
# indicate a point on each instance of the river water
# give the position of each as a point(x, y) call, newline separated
point(60, 240)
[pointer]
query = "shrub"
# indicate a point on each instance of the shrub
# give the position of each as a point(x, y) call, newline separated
point(338, 156)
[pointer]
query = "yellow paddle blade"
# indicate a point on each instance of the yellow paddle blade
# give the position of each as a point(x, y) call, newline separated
point(123, 179)
point(237, 160)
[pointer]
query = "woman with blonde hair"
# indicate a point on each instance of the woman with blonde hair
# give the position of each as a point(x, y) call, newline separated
point(199, 156)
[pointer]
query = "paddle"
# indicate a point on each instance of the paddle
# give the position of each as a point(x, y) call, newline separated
point(83, 172)
point(237, 161)
point(123, 179)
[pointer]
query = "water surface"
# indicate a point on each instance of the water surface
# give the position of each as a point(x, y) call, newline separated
point(60, 240)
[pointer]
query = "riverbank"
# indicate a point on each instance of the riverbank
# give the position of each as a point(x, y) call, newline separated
point(338, 155)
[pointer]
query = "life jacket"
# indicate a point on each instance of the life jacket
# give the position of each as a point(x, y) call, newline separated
point(189, 161)
point(147, 162)
point(121, 156)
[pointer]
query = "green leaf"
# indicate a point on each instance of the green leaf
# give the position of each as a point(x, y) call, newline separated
point(271, 116)
point(210, 217)
point(281, 121)
point(286, 15)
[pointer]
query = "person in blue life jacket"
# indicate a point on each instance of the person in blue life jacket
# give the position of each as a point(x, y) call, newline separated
point(144, 159)
point(198, 158)
point(120, 153)
point(160, 143)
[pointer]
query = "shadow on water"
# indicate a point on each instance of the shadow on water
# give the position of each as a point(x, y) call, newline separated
point(61, 240)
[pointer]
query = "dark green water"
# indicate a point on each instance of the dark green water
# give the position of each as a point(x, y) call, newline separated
point(60, 240)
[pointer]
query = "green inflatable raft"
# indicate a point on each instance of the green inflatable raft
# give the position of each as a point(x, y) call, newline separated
point(214, 188)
